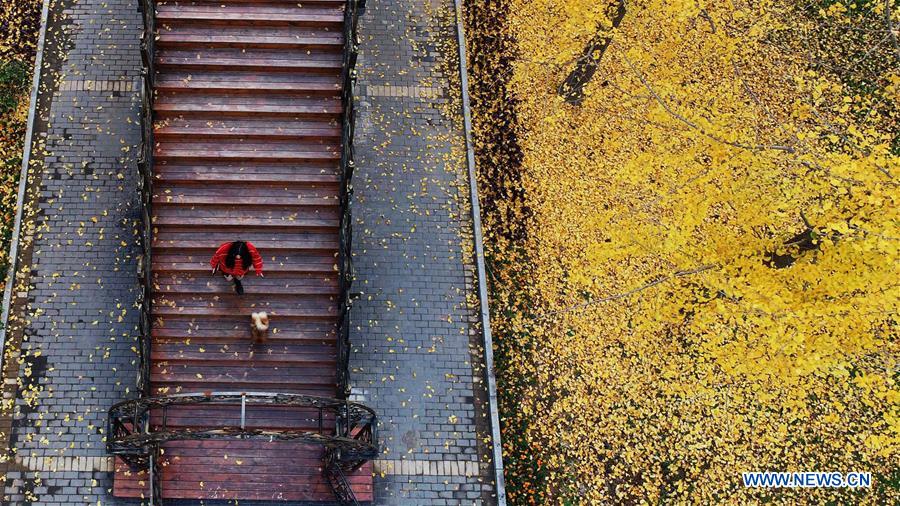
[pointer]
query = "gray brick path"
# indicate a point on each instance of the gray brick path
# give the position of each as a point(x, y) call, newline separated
point(77, 356)
point(416, 354)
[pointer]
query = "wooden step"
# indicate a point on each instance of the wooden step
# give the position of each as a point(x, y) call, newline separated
point(205, 459)
point(297, 378)
point(227, 303)
point(254, 372)
point(255, 417)
point(272, 242)
point(235, 478)
point(248, 83)
point(298, 312)
point(249, 128)
point(327, 3)
point(301, 380)
point(189, 383)
point(273, 283)
point(275, 277)
point(219, 338)
point(284, 194)
point(241, 105)
point(252, 216)
point(277, 262)
point(290, 471)
point(260, 288)
point(225, 152)
point(209, 14)
point(233, 329)
point(232, 304)
point(181, 386)
point(245, 448)
point(254, 37)
point(315, 173)
point(239, 59)
point(269, 351)
point(237, 150)
point(275, 280)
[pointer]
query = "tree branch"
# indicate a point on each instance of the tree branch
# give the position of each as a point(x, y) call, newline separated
point(691, 124)
point(629, 293)
point(890, 26)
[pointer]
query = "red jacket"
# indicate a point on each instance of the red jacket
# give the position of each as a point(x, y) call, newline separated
point(240, 264)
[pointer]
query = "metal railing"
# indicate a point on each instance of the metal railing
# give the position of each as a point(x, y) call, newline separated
point(132, 433)
point(137, 428)
point(340, 460)
point(145, 169)
point(345, 260)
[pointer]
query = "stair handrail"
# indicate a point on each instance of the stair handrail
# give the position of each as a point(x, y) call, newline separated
point(145, 186)
point(132, 436)
point(341, 460)
point(345, 233)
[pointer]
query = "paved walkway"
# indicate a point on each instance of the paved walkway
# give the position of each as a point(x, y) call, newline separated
point(417, 351)
point(416, 348)
point(79, 329)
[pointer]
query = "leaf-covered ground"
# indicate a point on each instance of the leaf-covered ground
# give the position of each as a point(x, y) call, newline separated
point(19, 25)
point(694, 254)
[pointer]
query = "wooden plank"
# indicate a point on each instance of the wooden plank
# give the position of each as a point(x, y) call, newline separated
point(310, 313)
point(334, 3)
point(229, 59)
point(268, 352)
point(282, 262)
point(314, 487)
point(186, 330)
point(236, 152)
point(282, 195)
point(196, 218)
point(269, 37)
point(330, 103)
point(246, 128)
point(178, 39)
point(183, 386)
point(287, 215)
point(253, 372)
point(273, 283)
point(262, 15)
point(274, 280)
point(311, 172)
point(268, 242)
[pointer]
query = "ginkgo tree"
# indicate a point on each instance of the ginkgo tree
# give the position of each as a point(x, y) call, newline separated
point(19, 22)
point(695, 265)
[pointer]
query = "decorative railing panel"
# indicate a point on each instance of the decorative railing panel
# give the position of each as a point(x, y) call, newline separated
point(133, 437)
point(345, 260)
point(145, 167)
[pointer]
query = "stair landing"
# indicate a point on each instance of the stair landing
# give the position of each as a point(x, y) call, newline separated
point(241, 470)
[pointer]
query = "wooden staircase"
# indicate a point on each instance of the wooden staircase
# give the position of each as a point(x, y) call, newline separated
point(247, 115)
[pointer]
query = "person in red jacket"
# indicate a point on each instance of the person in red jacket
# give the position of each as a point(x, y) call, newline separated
point(235, 259)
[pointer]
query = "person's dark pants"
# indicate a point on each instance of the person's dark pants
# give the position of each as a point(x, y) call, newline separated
point(238, 287)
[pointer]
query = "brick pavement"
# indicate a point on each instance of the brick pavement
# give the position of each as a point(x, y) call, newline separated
point(416, 344)
point(77, 356)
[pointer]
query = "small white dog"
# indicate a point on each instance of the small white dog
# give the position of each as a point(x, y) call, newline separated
point(259, 326)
